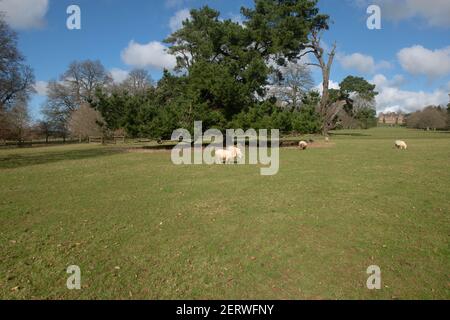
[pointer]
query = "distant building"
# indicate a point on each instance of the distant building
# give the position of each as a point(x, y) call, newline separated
point(392, 118)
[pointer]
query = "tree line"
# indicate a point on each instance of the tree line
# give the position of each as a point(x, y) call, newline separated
point(228, 75)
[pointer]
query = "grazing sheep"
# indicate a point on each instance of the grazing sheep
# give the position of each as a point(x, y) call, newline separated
point(228, 155)
point(236, 152)
point(399, 144)
point(327, 139)
point(303, 145)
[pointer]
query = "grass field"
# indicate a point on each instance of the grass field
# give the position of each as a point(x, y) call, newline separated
point(141, 228)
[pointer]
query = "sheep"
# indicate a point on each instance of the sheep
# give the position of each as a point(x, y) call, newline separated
point(303, 145)
point(236, 152)
point(228, 155)
point(327, 139)
point(399, 144)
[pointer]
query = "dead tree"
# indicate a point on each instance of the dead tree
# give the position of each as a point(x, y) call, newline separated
point(327, 109)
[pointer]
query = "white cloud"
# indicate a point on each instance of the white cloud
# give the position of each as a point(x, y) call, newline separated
point(118, 75)
point(392, 98)
point(238, 18)
point(176, 22)
point(174, 3)
point(435, 13)
point(153, 54)
point(24, 14)
point(41, 88)
point(362, 63)
point(418, 60)
point(332, 85)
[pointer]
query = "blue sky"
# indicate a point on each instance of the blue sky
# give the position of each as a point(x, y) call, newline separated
point(408, 59)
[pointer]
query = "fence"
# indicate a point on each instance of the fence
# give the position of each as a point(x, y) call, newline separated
point(105, 140)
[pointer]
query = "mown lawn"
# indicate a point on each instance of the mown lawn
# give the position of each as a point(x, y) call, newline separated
point(141, 228)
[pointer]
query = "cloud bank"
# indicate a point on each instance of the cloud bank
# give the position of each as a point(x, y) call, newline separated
point(24, 14)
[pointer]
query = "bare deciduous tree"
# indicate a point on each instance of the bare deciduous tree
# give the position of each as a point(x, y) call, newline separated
point(291, 83)
point(327, 109)
point(16, 78)
point(430, 118)
point(138, 81)
point(84, 77)
point(85, 122)
point(17, 121)
point(76, 87)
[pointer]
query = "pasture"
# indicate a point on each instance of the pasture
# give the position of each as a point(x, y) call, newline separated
point(141, 228)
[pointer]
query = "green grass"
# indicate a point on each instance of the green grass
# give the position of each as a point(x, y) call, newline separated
point(225, 232)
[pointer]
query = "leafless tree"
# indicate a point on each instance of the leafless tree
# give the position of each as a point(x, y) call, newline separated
point(18, 120)
point(138, 81)
point(43, 129)
point(84, 77)
point(76, 87)
point(327, 109)
point(430, 118)
point(16, 78)
point(291, 83)
point(85, 122)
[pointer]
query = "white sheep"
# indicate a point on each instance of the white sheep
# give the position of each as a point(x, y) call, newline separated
point(303, 145)
point(327, 139)
point(399, 144)
point(228, 155)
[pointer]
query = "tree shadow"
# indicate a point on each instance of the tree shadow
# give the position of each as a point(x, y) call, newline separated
point(355, 134)
point(12, 161)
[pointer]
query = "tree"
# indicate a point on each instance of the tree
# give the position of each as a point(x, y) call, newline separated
point(327, 108)
point(291, 83)
point(16, 78)
point(429, 118)
point(360, 107)
point(138, 81)
point(77, 86)
point(83, 78)
point(19, 121)
point(43, 128)
point(227, 63)
point(85, 122)
point(448, 115)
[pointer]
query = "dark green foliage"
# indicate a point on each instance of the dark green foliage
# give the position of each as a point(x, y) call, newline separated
point(358, 85)
point(223, 70)
point(360, 107)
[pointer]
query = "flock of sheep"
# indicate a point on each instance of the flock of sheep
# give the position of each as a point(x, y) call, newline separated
point(232, 153)
point(399, 144)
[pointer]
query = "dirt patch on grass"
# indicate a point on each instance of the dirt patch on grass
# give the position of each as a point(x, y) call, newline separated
point(315, 145)
point(142, 150)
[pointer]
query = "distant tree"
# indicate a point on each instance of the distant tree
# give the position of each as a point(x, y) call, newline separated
point(16, 78)
point(84, 77)
point(291, 83)
point(360, 102)
point(448, 116)
point(43, 129)
point(138, 81)
point(85, 122)
point(431, 118)
point(19, 121)
point(77, 86)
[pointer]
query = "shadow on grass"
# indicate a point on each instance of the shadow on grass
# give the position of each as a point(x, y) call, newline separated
point(23, 160)
point(355, 134)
